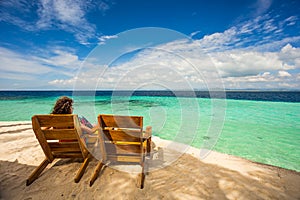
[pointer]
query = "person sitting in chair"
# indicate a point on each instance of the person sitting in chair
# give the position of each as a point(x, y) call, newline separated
point(64, 105)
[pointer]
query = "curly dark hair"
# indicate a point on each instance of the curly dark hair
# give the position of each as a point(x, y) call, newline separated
point(63, 106)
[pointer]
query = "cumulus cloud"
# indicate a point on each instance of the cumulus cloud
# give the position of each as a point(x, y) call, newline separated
point(290, 56)
point(265, 80)
point(184, 65)
point(284, 74)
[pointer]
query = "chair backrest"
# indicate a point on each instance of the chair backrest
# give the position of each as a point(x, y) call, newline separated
point(59, 136)
point(122, 138)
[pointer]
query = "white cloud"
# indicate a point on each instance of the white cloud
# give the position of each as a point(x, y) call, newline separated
point(69, 11)
point(11, 10)
point(13, 62)
point(194, 33)
point(184, 65)
point(284, 74)
point(104, 38)
point(62, 59)
point(66, 15)
point(290, 21)
point(265, 80)
point(290, 56)
point(264, 33)
point(62, 82)
point(242, 63)
point(219, 40)
point(86, 77)
point(12, 75)
point(18, 67)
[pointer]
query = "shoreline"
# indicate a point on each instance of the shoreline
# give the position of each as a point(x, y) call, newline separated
point(163, 143)
point(183, 175)
point(213, 157)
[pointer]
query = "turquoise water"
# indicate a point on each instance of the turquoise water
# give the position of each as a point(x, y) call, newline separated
point(261, 131)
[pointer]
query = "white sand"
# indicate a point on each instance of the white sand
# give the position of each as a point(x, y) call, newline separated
point(172, 175)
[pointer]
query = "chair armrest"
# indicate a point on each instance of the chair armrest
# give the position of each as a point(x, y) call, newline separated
point(147, 133)
point(91, 138)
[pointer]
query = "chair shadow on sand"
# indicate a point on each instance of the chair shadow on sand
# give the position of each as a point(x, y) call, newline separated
point(185, 178)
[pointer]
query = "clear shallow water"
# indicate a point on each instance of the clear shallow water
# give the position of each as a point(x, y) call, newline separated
point(262, 131)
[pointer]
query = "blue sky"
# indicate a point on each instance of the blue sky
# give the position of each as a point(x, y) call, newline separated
point(157, 44)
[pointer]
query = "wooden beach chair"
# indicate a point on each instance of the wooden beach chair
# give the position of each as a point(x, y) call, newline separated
point(122, 140)
point(59, 137)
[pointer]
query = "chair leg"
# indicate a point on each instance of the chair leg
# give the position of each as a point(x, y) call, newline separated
point(82, 169)
point(96, 172)
point(35, 174)
point(143, 174)
point(149, 146)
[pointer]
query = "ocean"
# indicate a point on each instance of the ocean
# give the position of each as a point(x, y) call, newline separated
point(261, 126)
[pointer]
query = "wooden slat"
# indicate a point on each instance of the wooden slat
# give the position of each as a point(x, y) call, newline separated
point(67, 155)
point(126, 143)
point(123, 129)
point(123, 149)
point(134, 159)
point(56, 121)
point(60, 134)
point(64, 147)
point(123, 135)
point(120, 121)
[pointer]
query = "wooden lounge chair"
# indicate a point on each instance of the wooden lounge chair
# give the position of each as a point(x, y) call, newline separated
point(59, 137)
point(122, 140)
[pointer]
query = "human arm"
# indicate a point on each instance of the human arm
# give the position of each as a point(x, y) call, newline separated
point(89, 130)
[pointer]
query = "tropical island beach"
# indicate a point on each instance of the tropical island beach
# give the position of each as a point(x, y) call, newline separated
point(218, 176)
point(217, 81)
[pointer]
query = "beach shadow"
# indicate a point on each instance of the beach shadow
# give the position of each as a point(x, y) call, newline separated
point(185, 178)
point(190, 178)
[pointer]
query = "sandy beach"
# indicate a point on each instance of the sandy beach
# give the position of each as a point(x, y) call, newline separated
point(218, 176)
